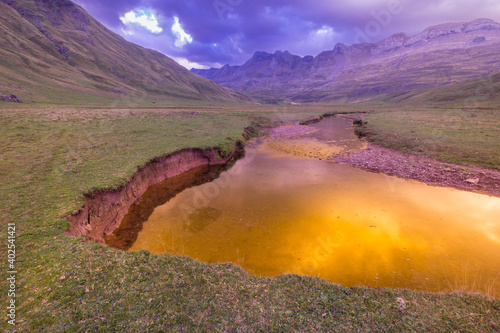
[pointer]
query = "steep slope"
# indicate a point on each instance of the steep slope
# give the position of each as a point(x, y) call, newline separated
point(52, 49)
point(440, 55)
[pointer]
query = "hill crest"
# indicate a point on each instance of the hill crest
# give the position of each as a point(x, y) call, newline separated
point(54, 50)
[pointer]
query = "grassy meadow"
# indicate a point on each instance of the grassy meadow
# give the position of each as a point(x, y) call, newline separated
point(467, 137)
point(51, 154)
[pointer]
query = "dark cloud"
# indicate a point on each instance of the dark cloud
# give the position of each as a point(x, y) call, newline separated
point(230, 31)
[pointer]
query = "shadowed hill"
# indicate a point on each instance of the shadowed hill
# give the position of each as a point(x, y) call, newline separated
point(55, 51)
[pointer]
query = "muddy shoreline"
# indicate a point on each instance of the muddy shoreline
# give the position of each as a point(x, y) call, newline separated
point(424, 169)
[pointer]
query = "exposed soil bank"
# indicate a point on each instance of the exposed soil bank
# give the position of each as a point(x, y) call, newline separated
point(125, 235)
point(424, 169)
point(104, 210)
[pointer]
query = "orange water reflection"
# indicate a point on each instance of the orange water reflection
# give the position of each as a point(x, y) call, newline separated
point(273, 214)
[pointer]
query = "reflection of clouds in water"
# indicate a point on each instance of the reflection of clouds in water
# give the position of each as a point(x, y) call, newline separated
point(242, 164)
point(465, 206)
point(492, 231)
point(491, 226)
point(270, 174)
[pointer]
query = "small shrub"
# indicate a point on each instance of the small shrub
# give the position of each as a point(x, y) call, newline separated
point(360, 128)
point(360, 132)
point(359, 122)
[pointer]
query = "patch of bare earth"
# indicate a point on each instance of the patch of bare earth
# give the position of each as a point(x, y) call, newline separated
point(423, 169)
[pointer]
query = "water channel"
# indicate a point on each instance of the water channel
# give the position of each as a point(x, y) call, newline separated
point(275, 212)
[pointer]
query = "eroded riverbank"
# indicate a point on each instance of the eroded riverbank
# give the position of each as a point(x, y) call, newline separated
point(102, 218)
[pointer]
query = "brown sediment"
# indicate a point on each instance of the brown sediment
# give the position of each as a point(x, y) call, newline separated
point(424, 169)
point(299, 147)
point(100, 219)
point(294, 139)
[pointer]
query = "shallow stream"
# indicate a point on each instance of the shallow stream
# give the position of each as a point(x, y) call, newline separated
point(274, 213)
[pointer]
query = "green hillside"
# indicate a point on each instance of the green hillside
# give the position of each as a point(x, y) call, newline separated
point(53, 51)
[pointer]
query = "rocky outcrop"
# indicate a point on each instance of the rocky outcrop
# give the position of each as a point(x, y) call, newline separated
point(481, 24)
point(105, 209)
point(448, 29)
point(10, 98)
point(390, 44)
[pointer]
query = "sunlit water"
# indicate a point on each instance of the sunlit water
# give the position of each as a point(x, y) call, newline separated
point(273, 213)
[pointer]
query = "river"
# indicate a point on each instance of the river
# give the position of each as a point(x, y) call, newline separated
point(277, 210)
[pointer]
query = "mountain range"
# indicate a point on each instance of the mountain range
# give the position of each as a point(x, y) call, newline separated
point(53, 51)
point(440, 56)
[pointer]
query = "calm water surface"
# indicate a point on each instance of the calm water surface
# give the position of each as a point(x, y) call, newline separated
point(273, 213)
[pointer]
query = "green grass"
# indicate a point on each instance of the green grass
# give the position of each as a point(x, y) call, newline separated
point(53, 154)
point(467, 137)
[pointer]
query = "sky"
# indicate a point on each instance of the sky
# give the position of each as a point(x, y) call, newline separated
point(212, 33)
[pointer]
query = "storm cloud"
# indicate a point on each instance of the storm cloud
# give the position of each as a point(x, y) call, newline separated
point(215, 32)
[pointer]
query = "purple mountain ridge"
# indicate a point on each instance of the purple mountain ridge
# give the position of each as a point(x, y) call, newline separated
point(440, 55)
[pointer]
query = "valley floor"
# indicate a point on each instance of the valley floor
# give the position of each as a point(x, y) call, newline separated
point(53, 154)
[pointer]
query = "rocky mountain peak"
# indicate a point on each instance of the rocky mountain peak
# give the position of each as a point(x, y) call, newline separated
point(447, 29)
point(443, 30)
point(392, 43)
point(481, 24)
point(281, 53)
point(261, 55)
point(340, 48)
